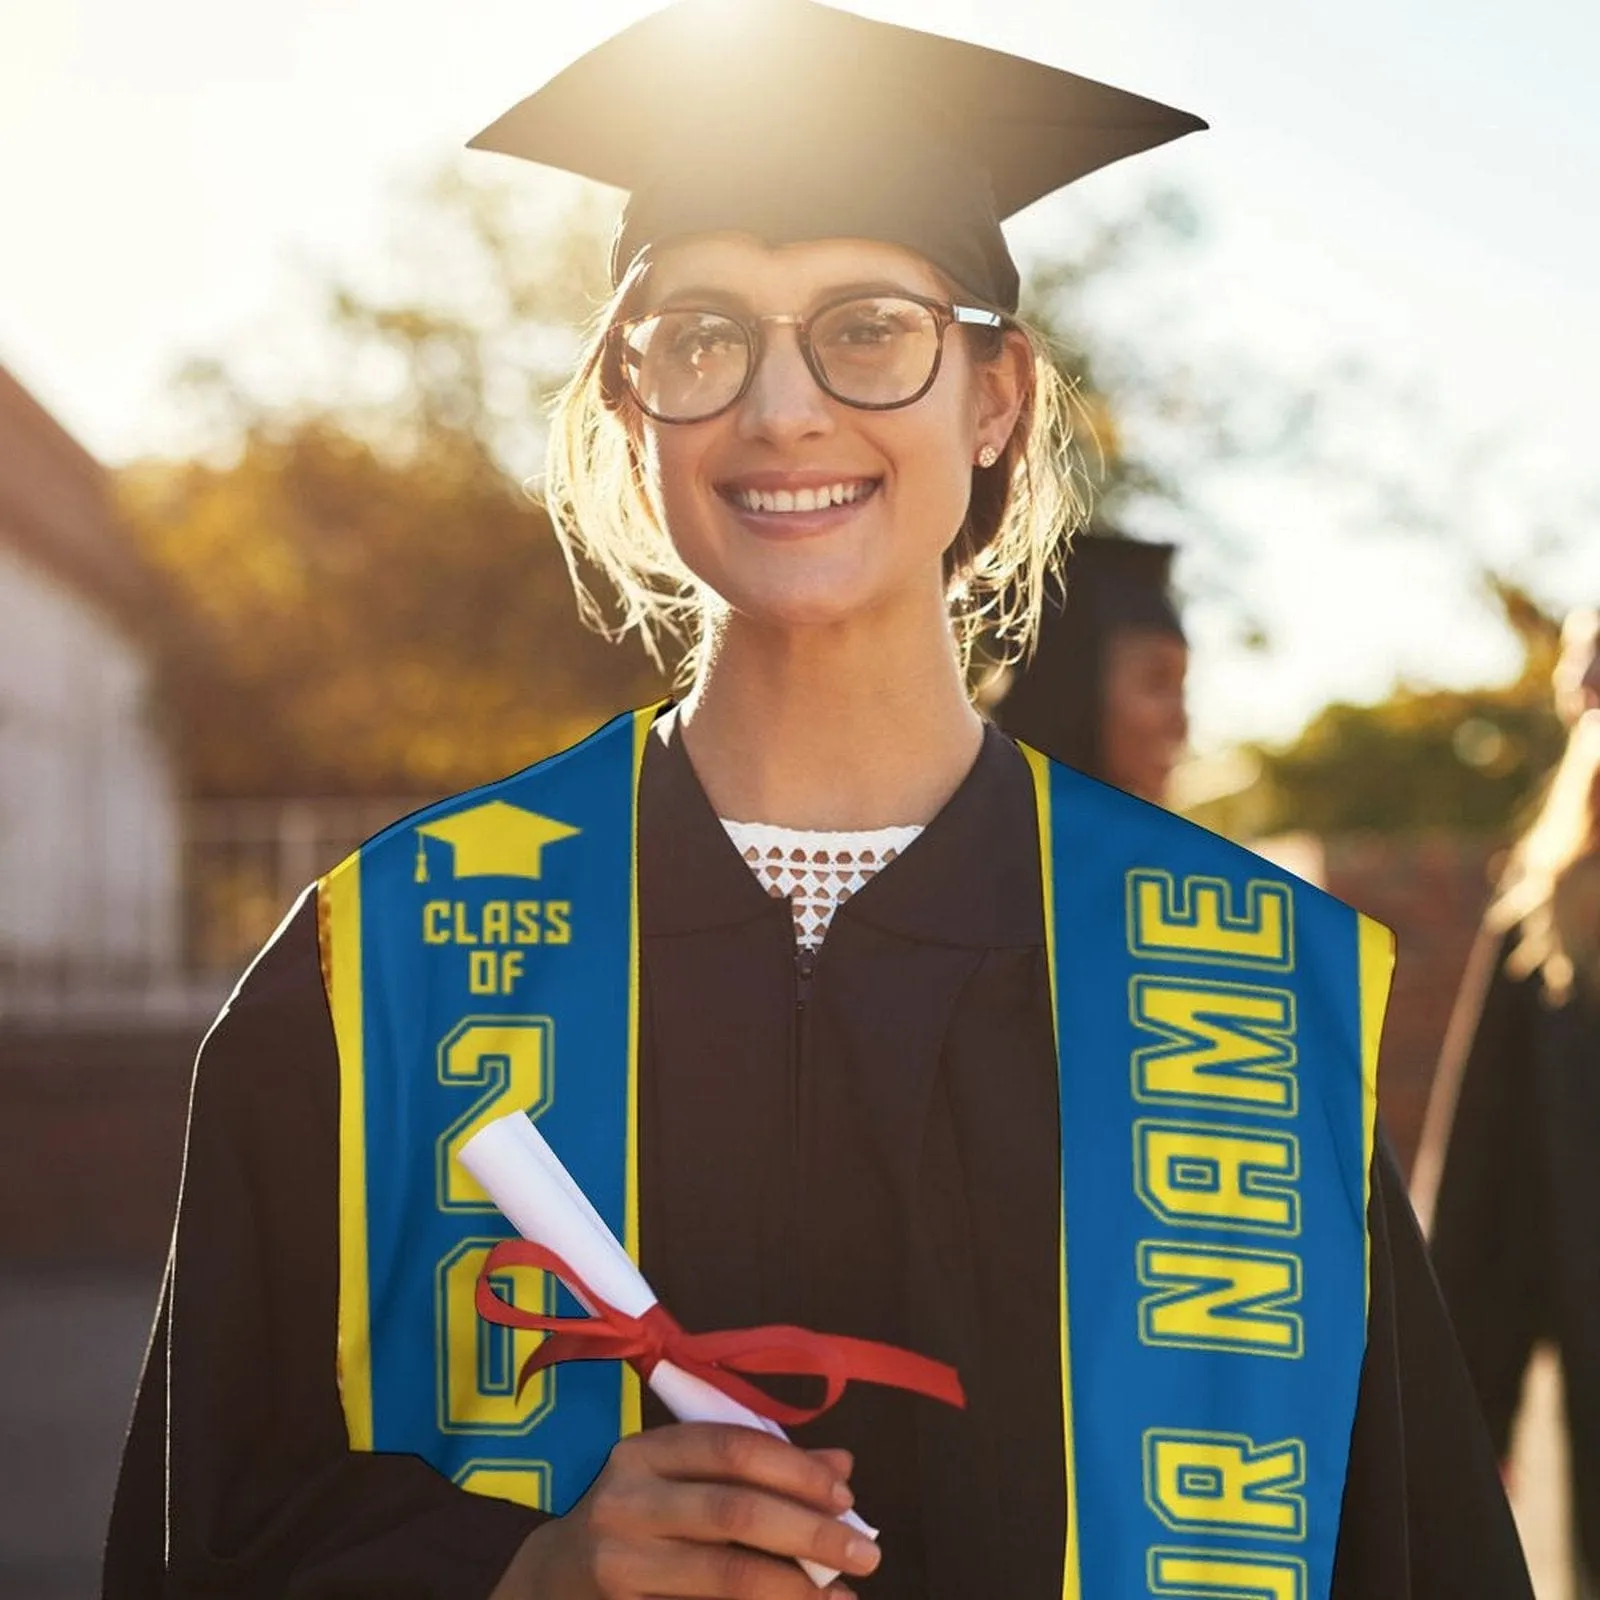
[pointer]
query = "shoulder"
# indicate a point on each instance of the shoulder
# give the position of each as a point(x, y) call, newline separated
point(282, 973)
point(1499, 998)
point(496, 825)
point(268, 1061)
point(1169, 862)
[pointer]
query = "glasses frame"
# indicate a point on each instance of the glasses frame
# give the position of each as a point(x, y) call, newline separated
point(945, 313)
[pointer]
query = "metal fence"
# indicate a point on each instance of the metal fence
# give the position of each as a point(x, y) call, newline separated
point(243, 863)
point(247, 860)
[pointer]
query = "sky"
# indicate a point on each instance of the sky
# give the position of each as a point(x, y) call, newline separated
point(1407, 185)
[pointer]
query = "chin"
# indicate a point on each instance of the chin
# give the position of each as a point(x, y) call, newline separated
point(798, 606)
point(776, 591)
point(1142, 786)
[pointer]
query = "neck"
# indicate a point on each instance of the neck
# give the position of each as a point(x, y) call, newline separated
point(836, 727)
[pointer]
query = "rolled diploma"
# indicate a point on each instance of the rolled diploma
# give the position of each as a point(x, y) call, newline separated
point(525, 1178)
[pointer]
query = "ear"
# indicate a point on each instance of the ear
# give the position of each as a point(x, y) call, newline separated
point(1000, 388)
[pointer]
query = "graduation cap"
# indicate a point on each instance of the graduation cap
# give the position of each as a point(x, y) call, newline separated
point(1056, 700)
point(494, 840)
point(792, 120)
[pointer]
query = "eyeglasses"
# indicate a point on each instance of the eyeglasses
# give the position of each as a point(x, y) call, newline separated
point(875, 352)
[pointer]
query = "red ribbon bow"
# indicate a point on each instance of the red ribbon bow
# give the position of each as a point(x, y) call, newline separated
point(718, 1358)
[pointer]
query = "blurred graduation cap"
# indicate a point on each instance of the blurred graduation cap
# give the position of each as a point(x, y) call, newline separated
point(493, 840)
point(1056, 701)
point(793, 120)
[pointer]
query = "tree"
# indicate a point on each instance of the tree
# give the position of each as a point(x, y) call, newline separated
point(1467, 760)
point(1168, 417)
point(350, 624)
point(363, 595)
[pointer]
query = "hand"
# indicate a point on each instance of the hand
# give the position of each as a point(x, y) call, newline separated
point(697, 1510)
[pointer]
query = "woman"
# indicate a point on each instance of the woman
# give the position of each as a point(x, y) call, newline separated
point(810, 434)
point(1516, 1220)
point(1103, 691)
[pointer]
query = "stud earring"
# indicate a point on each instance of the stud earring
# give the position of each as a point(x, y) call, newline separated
point(988, 455)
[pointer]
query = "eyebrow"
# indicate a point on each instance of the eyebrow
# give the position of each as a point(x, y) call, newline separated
point(716, 297)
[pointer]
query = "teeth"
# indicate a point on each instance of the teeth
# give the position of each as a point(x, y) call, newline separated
point(780, 500)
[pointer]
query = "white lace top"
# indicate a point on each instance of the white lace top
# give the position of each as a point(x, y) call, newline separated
point(815, 871)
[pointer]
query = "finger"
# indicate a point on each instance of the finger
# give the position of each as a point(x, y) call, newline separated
point(841, 1462)
point(834, 1591)
point(680, 1571)
point(720, 1453)
point(729, 1513)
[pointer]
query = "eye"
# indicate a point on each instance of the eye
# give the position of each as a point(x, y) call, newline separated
point(869, 325)
point(864, 326)
point(692, 339)
point(865, 330)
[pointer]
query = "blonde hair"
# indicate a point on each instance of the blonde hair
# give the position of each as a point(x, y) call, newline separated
point(1022, 514)
point(1552, 892)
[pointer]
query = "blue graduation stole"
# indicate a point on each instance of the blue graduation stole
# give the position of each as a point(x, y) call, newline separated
point(1217, 1025)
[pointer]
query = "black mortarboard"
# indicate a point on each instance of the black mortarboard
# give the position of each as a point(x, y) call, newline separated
point(1056, 701)
point(792, 120)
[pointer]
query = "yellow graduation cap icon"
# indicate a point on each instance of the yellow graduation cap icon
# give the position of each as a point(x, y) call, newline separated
point(493, 840)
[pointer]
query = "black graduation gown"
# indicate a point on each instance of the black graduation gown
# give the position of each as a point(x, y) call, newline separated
point(871, 1149)
point(1516, 1226)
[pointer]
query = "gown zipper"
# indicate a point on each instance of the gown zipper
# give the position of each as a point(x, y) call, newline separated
point(805, 966)
point(805, 963)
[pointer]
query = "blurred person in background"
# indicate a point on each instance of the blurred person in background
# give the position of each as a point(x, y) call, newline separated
point(1510, 1156)
point(1104, 689)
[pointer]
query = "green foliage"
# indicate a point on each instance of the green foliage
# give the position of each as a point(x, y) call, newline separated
point(1467, 760)
point(1164, 413)
point(362, 596)
point(1114, 378)
point(345, 623)
point(1461, 760)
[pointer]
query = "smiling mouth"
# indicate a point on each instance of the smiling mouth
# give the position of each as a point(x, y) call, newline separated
point(816, 497)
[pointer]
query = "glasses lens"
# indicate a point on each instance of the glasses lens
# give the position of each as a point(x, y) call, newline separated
point(684, 365)
point(876, 352)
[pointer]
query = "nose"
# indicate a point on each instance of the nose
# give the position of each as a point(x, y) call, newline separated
point(1173, 700)
point(1589, 688)
point(1180, 720)
point(784, 403)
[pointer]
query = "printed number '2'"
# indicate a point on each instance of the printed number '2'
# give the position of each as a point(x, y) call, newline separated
point(510, 1059)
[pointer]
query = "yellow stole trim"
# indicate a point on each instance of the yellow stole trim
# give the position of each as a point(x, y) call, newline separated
point(1375, 969)
point(339, 925)
point(632, 1399)
point(1039, 767)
